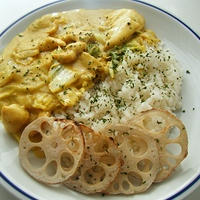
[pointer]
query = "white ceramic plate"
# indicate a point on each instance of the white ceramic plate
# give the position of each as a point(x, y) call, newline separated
point(184, 42)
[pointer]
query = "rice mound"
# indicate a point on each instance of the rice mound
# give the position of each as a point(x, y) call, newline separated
point(141, 81)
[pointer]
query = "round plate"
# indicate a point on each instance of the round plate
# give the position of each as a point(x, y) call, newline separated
point(183, 42)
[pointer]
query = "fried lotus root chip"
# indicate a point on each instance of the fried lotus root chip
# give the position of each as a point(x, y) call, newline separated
point(50, 150)
point(100, 165)
point(140, 157)
point(171, 137)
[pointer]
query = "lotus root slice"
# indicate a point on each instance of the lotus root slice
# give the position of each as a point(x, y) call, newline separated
point(100, 165)
point(170, 135)
point(140, 157)
point(50, 150)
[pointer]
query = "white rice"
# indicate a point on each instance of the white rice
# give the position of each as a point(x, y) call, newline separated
point(142, 81)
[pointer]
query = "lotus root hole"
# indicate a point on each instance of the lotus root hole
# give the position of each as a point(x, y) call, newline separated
point(154, 124)
point(173, 148)
point(51, 168)
point(35, 136)
point(66, 161)
point(46, 128)
point(36, 157)
point(137, 145)
point(73, 145)
point(135, 179)
point(94, 175)
point(145, 165)
point(125, 185)
point(68, 132)
point(173, 132)
point(101, 146)
point(116, 186)
point(108, 160)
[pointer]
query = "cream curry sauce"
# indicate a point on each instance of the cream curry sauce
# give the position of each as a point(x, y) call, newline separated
point(58, 57)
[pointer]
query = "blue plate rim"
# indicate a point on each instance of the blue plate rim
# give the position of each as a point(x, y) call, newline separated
point(180, 192)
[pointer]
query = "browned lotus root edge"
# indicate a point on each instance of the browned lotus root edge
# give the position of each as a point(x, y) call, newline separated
point(100, 165)
point(58, 143)
point(158, 123)
point(140, 157)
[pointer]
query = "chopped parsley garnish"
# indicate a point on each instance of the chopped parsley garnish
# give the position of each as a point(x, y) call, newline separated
point(187, 72)
point(116, 55)
point(93, 49)
point(26, 73)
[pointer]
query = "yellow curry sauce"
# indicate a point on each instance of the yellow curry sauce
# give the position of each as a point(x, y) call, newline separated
point(59, 56)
